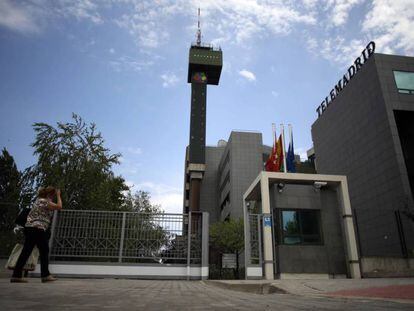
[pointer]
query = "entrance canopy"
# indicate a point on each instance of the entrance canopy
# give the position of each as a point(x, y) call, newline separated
point(259, 191)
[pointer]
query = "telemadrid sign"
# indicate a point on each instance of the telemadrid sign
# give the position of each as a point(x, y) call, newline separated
point(352, 70)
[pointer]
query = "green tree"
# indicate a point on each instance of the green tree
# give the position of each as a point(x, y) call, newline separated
point(148, 234)
point(9, 200)
point(72, 157)
point(228, 237)
point(140, 201)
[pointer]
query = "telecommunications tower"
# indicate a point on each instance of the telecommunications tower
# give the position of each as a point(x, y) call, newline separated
point(204, 67)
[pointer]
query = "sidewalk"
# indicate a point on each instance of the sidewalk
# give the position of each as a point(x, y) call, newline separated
point(386, 288)
point(121, 294)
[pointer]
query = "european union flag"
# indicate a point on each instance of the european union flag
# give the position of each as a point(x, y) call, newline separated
point(290, 157)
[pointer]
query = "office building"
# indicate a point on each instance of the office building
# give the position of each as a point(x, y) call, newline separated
point(365, 130)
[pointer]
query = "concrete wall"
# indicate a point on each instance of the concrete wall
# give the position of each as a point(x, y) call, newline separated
point(246, 162)
point(357, 137)
point(241, 160)
point(387, 267)
point(209, 190)
point(329, 257)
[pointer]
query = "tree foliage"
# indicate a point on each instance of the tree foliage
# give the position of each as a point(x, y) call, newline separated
point(228, 237)
point(140, 202)
point(9, 190)
point(9, 200)
point(72, 157)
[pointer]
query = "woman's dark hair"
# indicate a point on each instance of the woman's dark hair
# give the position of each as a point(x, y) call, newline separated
point(45, 192)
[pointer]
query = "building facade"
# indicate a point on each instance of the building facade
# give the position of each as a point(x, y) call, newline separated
point(230, 167)
point(367, 133)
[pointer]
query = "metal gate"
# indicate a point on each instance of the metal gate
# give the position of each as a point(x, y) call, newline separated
point(128, 239)
point(253, 246)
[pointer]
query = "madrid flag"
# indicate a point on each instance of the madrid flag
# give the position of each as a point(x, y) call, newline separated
point(275, 161)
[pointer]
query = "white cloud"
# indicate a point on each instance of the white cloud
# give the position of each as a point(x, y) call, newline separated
point(275, 94)
point(146, 32)
point(32, 16)
point(17, 18)
point(341, 51)
point(80, 9)
point(312, 44)
point(112, 50)
point(247, 74)
point(390, 23)
point(170, 198)
point(340, 10)
point(169, 79)
point(229, 21)
point(310, 3)
point(127, 63)
point(387, 22)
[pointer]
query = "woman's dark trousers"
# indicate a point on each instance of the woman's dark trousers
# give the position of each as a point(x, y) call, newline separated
point(34, 237)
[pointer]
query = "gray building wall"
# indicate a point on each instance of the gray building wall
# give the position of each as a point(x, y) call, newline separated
point(329, 256)
point(357, 136)
point(229, 171)
point(209, 191)
point(246, 162)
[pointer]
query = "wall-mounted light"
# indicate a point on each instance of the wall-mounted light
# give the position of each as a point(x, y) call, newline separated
point(319, 184)
point(280, 187)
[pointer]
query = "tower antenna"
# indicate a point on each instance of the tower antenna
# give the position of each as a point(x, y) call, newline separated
point(198, 30)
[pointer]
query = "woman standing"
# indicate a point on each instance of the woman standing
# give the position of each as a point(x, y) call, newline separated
point(35, 231)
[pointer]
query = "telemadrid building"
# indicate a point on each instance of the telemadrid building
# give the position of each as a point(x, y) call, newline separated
point(365, 131)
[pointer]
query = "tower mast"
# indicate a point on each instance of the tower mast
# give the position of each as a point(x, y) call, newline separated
point(204, 67)
point(198, 30)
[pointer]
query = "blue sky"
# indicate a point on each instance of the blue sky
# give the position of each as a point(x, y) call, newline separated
point(123, 65)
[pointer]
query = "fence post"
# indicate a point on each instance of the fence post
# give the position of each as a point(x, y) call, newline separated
point(401, 234)
point(204, 246)
point(259, 236)
point(121, 244)
point(247, 246)
point(52, 231)
point(189, 247)
point(358, 235)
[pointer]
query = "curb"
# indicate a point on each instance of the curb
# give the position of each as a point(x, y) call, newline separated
point(260, 289)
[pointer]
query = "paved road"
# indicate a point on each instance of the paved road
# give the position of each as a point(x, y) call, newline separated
point(110, 294)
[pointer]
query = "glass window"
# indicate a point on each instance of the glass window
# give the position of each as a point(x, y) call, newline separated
point(301, 227)
point(291, 233)
point(404, 81)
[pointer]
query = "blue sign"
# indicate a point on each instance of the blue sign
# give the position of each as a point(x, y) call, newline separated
point(267, 221)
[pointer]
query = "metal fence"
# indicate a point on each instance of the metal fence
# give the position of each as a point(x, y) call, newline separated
point(384, 233)
point(106, 236)
point(255, 240)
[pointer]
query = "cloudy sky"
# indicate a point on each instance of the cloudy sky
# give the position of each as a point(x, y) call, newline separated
point(123, 65)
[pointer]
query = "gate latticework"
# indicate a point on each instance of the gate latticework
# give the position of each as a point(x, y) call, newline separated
point(106, 236)
point(254, 240)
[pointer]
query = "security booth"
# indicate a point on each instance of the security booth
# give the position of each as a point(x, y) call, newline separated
point(299, 226)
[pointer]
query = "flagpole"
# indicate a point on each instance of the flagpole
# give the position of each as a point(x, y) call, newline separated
point(274, 134)
point(291, 142)
point(282, 129)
